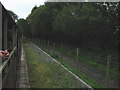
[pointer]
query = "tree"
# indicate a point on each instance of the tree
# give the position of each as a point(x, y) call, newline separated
point(87, 25)
point(34, 8)
point(24, 27)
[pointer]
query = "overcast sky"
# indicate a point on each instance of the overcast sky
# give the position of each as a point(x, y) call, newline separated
point(21, 7)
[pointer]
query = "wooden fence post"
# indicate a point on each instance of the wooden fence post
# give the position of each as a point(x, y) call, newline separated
point(77, 54)
point(43, 44)
point(62, 52)
point(107, 72)
point(32, 40)
point(53, 48)
point(39, 41)
point(48, 47)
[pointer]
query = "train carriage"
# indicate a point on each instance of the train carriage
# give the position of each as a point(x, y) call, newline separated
point(9, 40)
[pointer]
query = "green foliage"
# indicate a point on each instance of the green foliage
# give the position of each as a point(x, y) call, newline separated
point(24, 27)
point(86, 25)
point(92, 82)
point(74, 20)
point(34, 8)
point(42, 74)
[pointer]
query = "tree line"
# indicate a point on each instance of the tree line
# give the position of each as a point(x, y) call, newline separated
point(92, 26)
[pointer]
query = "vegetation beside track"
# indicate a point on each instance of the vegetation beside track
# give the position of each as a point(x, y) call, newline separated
point(54, 51)
point(87, 59)
point(47, 74)
point(84, 77)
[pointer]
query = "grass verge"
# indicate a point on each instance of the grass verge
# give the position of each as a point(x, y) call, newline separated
point(43, 74)
point(71, 53)
point(84, 77)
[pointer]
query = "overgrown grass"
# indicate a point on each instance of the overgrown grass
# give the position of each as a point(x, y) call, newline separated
point(84, 77)
point(86, 60)
point(47, 74)
point(101, 67)
point(83, 59)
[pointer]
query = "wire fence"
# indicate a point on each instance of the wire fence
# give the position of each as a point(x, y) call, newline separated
point(88, 62)
point(98, 57)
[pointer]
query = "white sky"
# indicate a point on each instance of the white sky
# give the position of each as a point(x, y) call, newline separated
point(21, 7)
